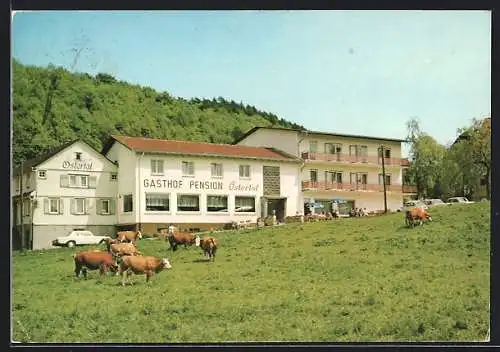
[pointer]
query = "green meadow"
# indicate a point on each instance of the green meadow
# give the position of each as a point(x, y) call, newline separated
point(348, 280)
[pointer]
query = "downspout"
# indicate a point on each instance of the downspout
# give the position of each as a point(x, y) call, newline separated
point(300, 201)
point(139, 208)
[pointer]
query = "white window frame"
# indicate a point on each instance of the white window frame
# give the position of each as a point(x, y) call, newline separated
point(158, 195)
point(78, 181)
point(215, 167)
point(246, 212)
point(388, 177)
point(123, 203)
point(101, 202)
point(179, 197)
point(245, 167)
point(42, 174)
point(218, 211)
point(57, 205)
point(188, 169)
point(311, 144)
point(84, 203)
point(157, 167)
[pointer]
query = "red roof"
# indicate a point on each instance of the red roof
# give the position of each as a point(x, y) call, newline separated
point(405, 162)
point(197, 148)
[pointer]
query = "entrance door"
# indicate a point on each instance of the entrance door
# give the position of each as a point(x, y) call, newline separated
point(278, 206)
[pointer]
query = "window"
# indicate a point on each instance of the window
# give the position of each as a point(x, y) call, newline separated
point(363, 150)
point(114, 176)
point(216, 170)
point(42, 174)
point(78, 156)
point(127, 203)
point(313, 175)
point(157, 202)
point(78, 181)
point(187, 168)
point(106, 206)
point(157, 167)
point(381, 179)
point(245, 171)
point(313, 146)
point(353, 150)
point(187, 202)
point(244, 204)
point(53, 206)
point(217, 203)
point(359, 178)
point(330, 176)
point(387, 153)
point(79, 206)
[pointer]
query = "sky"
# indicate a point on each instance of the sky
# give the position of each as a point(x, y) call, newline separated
point(352, 72)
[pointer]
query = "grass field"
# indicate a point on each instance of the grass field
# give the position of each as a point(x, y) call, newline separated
point(361, 279)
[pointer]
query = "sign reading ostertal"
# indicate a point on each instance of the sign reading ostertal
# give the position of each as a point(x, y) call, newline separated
point(197, 185)
point(77, 164)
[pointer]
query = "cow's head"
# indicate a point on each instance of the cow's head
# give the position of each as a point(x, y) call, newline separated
point(165, 263)
point(429, 217)
point(139, 234)
point(197, 241)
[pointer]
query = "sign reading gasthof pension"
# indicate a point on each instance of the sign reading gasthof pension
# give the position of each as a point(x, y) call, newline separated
point(198, 185)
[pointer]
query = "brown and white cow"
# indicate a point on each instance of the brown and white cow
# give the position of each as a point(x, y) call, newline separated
point(209, 246)
point(182, 238)
point(121, 249)
point(142, 265)
point(417, 214)
point(93, 260)
point(129, 236)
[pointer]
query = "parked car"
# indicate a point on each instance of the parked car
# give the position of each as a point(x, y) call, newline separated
point(462, 200)
point(434, 202)
point(414, 204)
point(79, 237)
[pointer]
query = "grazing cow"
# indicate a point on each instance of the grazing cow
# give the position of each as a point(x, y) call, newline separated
point(209, 246)
point(142, 265)
point(93, 260)
point(417, 214)
point(121, 249)
point(182, 238)
point(129, 236)
point(109, 242)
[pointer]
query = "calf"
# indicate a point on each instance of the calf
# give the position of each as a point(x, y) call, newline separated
point(142, 265)
point(121, 249)
point(129, 236)
point(93, 260)
point(209, 246)
point(416, 214)
point(182, 238)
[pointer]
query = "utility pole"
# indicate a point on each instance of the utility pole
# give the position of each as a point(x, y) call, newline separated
point(23, 240)
point(383, 177)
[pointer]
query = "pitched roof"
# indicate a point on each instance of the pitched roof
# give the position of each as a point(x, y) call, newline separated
point(142, 144)
point(252, 130)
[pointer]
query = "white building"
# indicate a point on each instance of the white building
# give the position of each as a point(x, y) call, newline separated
point(71, 187)
point(341, 167)
point(148, 183)
point(198, 186)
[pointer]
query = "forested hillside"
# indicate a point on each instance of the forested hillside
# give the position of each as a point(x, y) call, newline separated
point(52, 106)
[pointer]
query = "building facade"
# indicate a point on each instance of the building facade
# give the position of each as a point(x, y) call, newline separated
point(344, 168)
point(198, 186)
point(71, 187)
point(147, 184)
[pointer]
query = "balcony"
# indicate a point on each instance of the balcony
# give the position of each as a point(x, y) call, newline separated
point(341, 158)
point(344, 186)
point(409, 189)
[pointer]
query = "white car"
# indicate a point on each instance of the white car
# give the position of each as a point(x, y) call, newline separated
point(414, 204)
point(434, 202)
point(79, 237)
point(461, 200)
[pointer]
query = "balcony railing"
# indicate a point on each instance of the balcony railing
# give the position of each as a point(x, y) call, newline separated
point(409, 189)
point(344, 186)
point(352, 159)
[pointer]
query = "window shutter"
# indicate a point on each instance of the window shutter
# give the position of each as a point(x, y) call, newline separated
point(98, 206)
point(112, 206)
point(92, 181)
point(64, 181)
point(88, 205)
point(73, 205)
point(46, 205)
point(61, 206)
